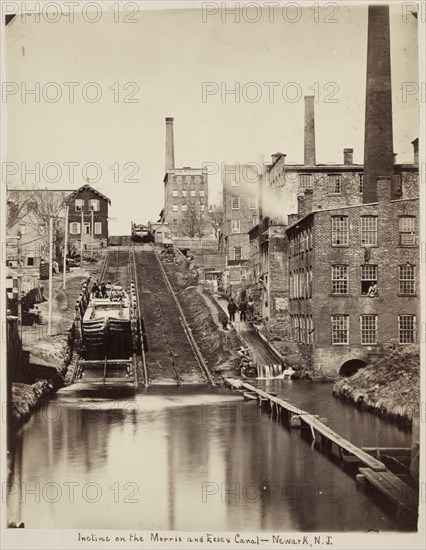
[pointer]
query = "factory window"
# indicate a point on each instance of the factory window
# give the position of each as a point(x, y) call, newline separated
point(369, 280)
point(175, 208)
point(202, 207)
point(368, 231)
point(339, 329)
point(98, 228)
point(406, 329)
point(361, 183)
point(235, 226)
point(235, 203)
point(184, 193)
point(339, 231)
point(252, 203)
point(305, 182)
point(197, 179)
point(310, 330)
point(184, 207)
point(334, 184)
point(30, 261)
point(174, 222)
point(407, 230)
point(175, 193)
point(192, 192)
point(79, 205)
point(368, 329)
point(179, 179)
point(74, 228)
point(237, 252)
point(202, 193)
point(339, 279)
point(188, 179)
point(407, 281)
point(94, 205)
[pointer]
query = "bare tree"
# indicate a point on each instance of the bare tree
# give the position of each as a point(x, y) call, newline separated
point(216, 220)
point(195, 220)
point(44, 205)
point(17, 205)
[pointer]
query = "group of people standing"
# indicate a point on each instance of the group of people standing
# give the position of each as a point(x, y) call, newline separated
point(245, 306)
point(99, 290)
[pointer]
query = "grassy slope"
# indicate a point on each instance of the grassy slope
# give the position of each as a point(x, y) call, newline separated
point(390, 386)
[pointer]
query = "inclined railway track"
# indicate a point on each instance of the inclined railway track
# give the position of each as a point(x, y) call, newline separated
point(169, 353)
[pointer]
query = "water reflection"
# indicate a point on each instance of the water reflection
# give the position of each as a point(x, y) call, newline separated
point(187, 459)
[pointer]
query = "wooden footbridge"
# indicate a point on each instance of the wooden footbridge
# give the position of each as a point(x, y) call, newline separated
point(372, 471)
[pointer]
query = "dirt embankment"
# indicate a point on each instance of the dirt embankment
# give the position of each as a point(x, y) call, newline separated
point(218, 347)
point(45, 359)
point(390, 386)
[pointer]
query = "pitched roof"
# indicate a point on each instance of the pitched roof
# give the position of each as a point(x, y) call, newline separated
point(86, 186)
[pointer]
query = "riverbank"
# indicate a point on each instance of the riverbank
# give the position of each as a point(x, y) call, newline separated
point(203, 315)
point(45, 359)
point(389, 387)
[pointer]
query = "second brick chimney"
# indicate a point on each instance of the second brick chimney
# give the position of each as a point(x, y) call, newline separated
point(309, 143)
point(378, 140)
point(170, 147)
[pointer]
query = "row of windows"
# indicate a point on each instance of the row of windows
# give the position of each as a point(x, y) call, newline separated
point(301, 283)
point(368, 227)
point(235, 203)
point(302, 328)
point(236, 225)
point(186, 179)
point(185, 193)
point(94, 204)
point(334, 183)
point(184, 207)
point(369, 329)
point(369, 279)
point(302, 241)
point(75, 228)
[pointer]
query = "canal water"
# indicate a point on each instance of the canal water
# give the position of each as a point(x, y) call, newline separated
point(192, 458)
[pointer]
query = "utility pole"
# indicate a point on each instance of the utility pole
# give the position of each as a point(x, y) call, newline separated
point(92, 226)
point(81, 240)
point(66, 245)
point(49, 330)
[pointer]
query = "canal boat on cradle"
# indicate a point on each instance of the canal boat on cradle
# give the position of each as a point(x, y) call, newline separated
point(107, 320)
point(107, 356)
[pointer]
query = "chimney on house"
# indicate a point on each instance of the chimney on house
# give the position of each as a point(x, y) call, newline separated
point(276, 156)
point(309, 145)
point(348, 156)
point(170, 147)
point(416, 150)
point(305, 203)
point(378, 139)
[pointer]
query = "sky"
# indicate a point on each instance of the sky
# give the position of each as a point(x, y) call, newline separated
point(160, 64)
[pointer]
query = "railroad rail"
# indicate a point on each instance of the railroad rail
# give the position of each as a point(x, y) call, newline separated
point(186, 327)
point(109, 370)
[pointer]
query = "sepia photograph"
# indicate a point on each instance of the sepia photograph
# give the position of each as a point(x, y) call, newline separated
point(212, 275)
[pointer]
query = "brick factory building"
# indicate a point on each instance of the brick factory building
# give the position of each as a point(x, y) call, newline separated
point(240, 214)
point(186, 195)
point(365, 296)
point(340, 277)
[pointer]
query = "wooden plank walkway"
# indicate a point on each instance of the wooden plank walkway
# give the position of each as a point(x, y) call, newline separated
point(342, 443)
point(316, 426)
point(392, 487)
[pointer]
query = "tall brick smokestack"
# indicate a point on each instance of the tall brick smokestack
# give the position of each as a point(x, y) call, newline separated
point(309, 131)
point(378, 139)
point(170, 147)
